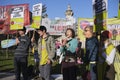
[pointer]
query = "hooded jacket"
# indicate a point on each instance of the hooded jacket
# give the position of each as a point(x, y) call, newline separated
point(50, 46)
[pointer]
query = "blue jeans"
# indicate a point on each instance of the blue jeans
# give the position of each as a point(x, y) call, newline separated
point(93, 71)
point(45, 71)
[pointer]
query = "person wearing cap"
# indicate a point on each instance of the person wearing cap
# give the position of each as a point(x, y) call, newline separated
point(108, 53)
point(91, 54)
point(46, 51)
point(21, 55)
point(34, 50)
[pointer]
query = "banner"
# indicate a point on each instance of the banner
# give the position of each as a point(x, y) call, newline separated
point(57, 29)
point(8, 43)
point(1, 17)
point(5, 21)
point(37, 15)
point(19, 15)
point(115, 30)
point(82, 23)
point(100, 15)
point(113, 21)
point(13, 17)
point(56, 26)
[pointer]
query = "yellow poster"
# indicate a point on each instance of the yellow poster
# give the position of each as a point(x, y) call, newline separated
point(82, 23)
point(17, 17)
point(37, 13)
point(36, 21)
point(16, 23)
point(100, 22)
point(100, 15)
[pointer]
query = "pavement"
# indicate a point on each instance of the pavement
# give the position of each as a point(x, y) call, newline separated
point(7, 76)
point(11, 76)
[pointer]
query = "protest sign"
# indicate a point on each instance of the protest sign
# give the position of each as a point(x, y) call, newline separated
point(8, 43)
point(19, 16)
point(100, 15)
point(37, 13)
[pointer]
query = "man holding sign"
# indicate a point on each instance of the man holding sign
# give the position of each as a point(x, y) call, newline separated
point(21, 54)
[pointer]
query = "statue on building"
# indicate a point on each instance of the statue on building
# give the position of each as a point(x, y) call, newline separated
point(69, 12)
point(69, 16)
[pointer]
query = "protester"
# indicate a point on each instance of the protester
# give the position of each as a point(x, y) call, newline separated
point(108, 53)
point(57, 44)
point(21, 55)
point(68, 47)
point(46, 51)
point(58, 52)
point(117, 63)
point(91, 47)
point(79, 53)
point(118, 48)
point(34, 41)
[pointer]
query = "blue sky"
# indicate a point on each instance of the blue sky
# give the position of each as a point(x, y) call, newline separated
point(56, 8)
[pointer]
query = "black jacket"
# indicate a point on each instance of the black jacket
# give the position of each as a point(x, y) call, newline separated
point(91, 49)
point(23, 46)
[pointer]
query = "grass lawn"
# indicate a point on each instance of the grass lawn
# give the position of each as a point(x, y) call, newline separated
point(7, 64)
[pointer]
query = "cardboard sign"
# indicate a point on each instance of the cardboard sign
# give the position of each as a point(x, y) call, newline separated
point(19, 16)
point(8, 43)
point(100, 15)
point(37, 13)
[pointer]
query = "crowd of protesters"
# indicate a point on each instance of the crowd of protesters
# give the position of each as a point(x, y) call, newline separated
point(96, 51)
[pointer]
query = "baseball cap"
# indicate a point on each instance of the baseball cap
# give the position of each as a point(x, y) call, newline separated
point(42, 28)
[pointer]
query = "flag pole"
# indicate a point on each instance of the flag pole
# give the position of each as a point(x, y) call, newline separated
point(7, 48)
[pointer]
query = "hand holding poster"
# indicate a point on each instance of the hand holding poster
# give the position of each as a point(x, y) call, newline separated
point(37, 12)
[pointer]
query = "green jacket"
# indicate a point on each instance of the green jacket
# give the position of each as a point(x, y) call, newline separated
point(50, 45)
